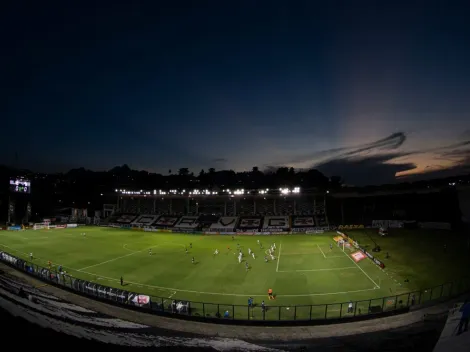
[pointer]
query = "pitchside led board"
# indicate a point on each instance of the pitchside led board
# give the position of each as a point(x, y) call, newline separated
point(20, 185)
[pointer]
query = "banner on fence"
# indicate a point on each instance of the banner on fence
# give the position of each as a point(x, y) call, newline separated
point(180, 230)
point(71, 226)
point(350, 227)
point(61, 226)
point(358, 256)
point(14, 228)
point(392, 224)
point(356, 245)
point(435, 225)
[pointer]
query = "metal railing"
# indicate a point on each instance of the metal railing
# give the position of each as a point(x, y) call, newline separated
point(255, 312)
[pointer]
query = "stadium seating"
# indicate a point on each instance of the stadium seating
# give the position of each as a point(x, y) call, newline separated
point(205, 221)
point(126, 218)
point(224, 224)
point(145, 220)
point(247, 223)
point(276, 223)
point(187, 222)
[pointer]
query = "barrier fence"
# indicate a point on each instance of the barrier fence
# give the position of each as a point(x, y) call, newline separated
point(252, 312)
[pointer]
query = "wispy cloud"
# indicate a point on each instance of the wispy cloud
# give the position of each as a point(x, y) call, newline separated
point(387, 160)
point(219, 160)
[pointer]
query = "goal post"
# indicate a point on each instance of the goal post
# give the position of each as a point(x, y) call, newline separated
point(41, 226)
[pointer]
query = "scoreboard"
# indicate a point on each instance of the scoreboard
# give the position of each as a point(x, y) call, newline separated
point(20, 185)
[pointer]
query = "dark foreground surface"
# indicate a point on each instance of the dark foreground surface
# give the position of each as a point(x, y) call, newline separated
point(48, 321)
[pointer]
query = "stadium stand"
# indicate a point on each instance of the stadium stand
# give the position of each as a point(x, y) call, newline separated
point(300, 221)
point(187, 222)
point(276, 223)
point(205, 221)
point(304, 206)
point(246, 207)
point(145, 220)
point(264, 207)
point(216, 206)
point(250, 223)
point(126, 218)
point(163, 206)
point(180, 206)
point(284, 206)
point(225, 224)
point(166, 221)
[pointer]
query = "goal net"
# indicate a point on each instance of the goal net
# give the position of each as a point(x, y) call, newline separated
point(41, 226)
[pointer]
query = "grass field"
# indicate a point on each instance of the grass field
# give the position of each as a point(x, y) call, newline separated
point(305, 272)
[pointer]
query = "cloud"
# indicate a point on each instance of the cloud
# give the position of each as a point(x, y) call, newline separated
point(362, 171)
point(387, 160)
point(219, 160)
point(389, 143)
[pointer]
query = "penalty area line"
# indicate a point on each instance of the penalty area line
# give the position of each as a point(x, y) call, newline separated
point(321, 251)
point(327, 269)
point(362, 270)
point(278, 257)
point(114, 259)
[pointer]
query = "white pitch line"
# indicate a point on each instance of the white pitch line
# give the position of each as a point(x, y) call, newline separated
point(170, 296)
point(114, 259)
point(362, 270)
point(230, 294)
point(278, 257)
point(321, 251)
point(127, 249)
point(202, 292)
point(329, 269)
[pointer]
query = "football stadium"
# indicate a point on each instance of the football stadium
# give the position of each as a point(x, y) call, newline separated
point(286, 255)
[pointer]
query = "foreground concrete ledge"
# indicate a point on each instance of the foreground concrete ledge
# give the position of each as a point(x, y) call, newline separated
point(281, 333)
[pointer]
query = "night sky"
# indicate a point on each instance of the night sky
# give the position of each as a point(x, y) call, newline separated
point(369, 92)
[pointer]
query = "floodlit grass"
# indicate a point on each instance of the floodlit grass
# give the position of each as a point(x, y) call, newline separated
point(305, 272)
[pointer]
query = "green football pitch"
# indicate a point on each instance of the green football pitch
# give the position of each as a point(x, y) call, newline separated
point(305, 271)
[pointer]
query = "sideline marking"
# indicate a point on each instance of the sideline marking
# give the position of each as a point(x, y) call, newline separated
point(329, 269)
point(278, 257)
point(200, 292)
point(127, 249)
point(362, 270)
point(321, 251)
point(123, 256)
point(232, 294)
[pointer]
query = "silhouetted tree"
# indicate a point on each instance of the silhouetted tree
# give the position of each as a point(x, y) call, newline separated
point(184, 171)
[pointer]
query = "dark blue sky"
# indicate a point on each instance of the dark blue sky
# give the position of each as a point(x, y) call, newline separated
point(355, 88)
